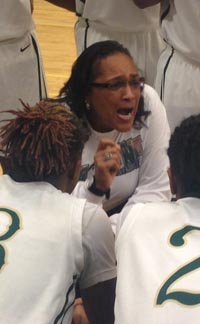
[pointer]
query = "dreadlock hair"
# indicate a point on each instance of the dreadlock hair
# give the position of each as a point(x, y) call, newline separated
point(85, 70)
point(184, 155)
point(42, 142)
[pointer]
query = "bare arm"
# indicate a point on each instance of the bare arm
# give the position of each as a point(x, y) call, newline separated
point(31, 4)
point(99, 302)
point(67, 4)
point(146, 3)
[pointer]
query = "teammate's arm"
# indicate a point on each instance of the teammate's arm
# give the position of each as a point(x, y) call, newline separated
point(146, 3)
point(99, 301)
point(31, 4)
point(97, 281)
point(67, 4)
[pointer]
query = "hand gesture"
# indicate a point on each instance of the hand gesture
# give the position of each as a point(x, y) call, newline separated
point(107, 162)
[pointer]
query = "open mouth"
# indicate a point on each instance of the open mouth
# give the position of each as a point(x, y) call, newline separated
point(125, 113)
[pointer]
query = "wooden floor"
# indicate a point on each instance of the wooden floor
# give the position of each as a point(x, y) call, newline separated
point(55, 30)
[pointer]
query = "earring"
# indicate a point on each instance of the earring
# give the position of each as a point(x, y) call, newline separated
point(87, 105)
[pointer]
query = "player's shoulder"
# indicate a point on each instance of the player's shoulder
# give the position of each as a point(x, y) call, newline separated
point(148, 214)
point(153, 209)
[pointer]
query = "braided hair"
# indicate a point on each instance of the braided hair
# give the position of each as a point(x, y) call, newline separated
point(184, 155)
point(42, 141)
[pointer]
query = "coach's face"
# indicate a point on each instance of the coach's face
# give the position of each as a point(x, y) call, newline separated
point(115, 94)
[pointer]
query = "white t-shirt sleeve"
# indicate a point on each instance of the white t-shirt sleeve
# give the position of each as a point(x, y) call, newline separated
point(98, 246)
point(153, 182)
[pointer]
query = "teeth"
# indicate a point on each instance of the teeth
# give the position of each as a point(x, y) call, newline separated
point(125, 113)
point(127, 116)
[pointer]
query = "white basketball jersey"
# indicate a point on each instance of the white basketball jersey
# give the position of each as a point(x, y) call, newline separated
point(181, 26)
point(159, 265)
point(125, 16)
point(41, 253)
point(15, 19)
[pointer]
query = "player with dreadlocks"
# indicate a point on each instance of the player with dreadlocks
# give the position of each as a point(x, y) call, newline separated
point(42, 142)
point(45, 233)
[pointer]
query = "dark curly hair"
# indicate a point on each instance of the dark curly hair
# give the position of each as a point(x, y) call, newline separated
point(84, 73)
point(42, 142)
point(184, 155)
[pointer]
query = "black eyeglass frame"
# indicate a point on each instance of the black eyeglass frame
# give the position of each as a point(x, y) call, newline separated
point(114, 86)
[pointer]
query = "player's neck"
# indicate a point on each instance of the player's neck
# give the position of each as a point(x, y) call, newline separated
point(63, 183)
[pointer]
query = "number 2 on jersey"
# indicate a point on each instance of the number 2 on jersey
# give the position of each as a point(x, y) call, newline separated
point(183, 297)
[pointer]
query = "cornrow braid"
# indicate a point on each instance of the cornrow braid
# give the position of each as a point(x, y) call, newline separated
point(42, 141)
point(184, 154)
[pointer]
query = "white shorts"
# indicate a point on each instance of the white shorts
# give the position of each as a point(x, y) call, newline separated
point(145, 47)
point(21, 73)
point(177, 82)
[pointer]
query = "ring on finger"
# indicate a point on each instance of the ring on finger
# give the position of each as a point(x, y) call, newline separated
point(108, 156)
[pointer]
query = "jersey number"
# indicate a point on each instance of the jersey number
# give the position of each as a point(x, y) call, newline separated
point(12, 229)
point(183, 297)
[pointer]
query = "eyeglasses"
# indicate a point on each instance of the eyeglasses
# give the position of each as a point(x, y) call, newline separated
point(135, 84)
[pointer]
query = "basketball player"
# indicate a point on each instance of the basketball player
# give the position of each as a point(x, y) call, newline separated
point(158, 244)
point(21, 70)
point(178, 74)
point(137, 30)
point(48, 238)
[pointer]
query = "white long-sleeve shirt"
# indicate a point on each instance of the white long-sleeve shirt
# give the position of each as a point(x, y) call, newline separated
point(143, 173)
